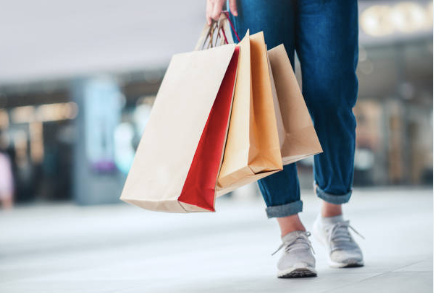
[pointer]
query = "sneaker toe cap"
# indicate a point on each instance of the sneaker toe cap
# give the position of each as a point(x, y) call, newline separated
point(346, 257)
point(301, 265)
point(301, 259)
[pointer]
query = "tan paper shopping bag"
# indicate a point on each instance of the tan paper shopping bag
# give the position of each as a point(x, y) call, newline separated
point(300, 138)
point(280, 128)
point(252, 148)
point(266, 157)
point(169, 143)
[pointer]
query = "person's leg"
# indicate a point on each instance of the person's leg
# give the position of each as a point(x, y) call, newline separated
point(330, 209)
point(275, 18)
point(281, 191)
point(327, 46)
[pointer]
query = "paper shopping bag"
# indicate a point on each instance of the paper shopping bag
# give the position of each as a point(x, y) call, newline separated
point(300, 139)
point(176, 164)
point(199, 187)
point(252, 149)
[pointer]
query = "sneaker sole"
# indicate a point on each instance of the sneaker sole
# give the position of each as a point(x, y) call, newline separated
point(297, 273)
point(354, 264)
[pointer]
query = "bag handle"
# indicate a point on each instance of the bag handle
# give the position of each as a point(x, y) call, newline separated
point(212, 34)
point(232, 25)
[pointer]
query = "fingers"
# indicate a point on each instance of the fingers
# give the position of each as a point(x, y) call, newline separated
point(217, 10)
point(214, 9)
point(233, 7)
point(209, 8)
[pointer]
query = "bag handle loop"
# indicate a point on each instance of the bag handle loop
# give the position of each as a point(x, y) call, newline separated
point(232, 25)
point(211, 34)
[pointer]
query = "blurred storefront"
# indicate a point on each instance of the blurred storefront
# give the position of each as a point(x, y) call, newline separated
point(75, 138)
point(394, 112)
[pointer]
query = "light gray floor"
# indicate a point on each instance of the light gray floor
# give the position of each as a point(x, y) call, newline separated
point(122, 248)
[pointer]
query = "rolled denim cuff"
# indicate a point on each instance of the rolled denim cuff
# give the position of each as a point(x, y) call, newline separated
point(332, 198)
point(284, 210)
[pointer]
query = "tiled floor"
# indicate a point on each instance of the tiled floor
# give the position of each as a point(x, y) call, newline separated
point(121, 248)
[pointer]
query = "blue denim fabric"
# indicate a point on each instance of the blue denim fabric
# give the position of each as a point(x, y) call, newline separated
point(324, 34)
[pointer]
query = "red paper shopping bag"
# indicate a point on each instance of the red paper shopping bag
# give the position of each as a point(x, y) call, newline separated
point(199, 187)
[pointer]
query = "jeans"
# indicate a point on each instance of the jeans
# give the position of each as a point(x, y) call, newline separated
point(324, 33)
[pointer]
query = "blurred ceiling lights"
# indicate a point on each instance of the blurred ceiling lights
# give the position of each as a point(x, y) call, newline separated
point(404, 17)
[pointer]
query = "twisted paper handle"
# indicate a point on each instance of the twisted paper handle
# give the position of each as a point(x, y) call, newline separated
point(211, 35)
point(232, 25)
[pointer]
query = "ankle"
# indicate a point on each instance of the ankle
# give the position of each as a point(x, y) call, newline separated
point(290, 224)
point(331, 210)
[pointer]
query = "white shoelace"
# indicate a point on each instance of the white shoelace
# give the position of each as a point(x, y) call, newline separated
point(301, 241)
point(340, 237)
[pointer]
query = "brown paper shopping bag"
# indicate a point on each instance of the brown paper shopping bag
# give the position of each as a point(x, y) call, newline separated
point(300, 139)
point(252, 148)
point(177, 128)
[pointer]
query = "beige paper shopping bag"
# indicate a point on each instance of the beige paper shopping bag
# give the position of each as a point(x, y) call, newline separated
point(169, 142)
point(252, 148)
point(300, 139)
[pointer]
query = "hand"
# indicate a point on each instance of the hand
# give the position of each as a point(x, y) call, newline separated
point(214, 8)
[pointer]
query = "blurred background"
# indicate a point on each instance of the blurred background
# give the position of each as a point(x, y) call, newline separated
point(78, 80)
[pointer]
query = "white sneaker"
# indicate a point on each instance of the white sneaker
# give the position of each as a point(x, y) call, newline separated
point(297, 259)
point(342, 250)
